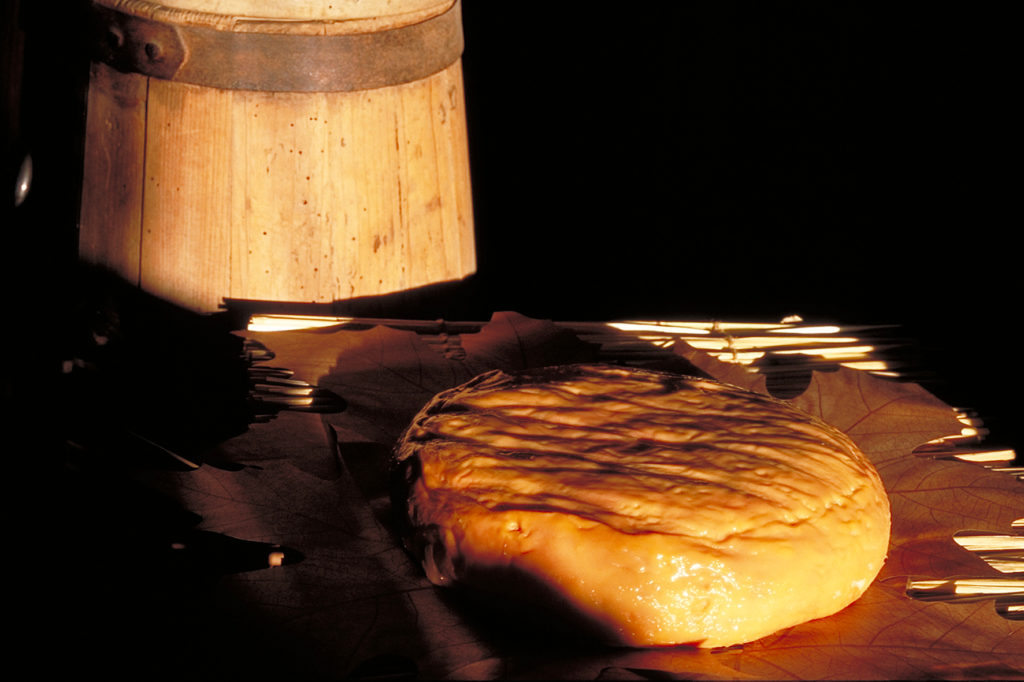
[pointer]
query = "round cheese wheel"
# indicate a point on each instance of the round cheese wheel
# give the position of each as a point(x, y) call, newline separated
point(659, 509)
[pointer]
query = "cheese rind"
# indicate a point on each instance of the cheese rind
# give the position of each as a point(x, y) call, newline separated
point(662, 509)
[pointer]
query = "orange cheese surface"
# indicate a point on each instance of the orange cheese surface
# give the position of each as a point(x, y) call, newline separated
point(661, 509)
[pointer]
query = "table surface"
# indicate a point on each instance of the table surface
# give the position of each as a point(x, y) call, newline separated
point(173, 542)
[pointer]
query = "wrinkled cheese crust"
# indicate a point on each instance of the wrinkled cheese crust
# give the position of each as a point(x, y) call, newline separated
point(662, 509)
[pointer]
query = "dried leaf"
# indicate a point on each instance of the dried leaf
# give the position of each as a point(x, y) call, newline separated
point(931, 500)
point(356, 606)
point(386, 375)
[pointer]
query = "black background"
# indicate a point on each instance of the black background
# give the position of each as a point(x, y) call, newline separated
point(741, 159)
point(842, 161)
point(847, 162)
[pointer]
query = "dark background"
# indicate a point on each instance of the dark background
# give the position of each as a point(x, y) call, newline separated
point(842, 161)
point(736, 159)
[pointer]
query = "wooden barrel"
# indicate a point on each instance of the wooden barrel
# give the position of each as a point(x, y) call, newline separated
point(277, 150)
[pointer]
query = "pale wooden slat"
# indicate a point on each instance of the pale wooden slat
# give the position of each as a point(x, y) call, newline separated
point(291, 10)
point(421, 195)
point(187, 194)
point(110, 220)
point(451, 147)
point(278, 215)
point(378, 215)
point(343, 179)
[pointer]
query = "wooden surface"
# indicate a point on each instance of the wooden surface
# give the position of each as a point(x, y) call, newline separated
point(287, 10)
point(112, 185)
point(198, 194)
point(314, 486)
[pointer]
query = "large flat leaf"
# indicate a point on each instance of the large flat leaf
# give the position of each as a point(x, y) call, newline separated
point(354, 605)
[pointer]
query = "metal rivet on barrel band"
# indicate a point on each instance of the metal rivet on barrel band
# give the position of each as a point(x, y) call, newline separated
point(153, 51)
point(276, 62)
